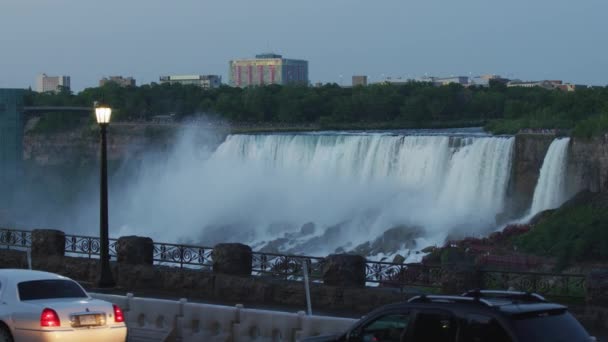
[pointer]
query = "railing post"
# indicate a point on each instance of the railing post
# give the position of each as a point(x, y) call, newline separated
point(344, 270)
point(135, 250)
point(232, 258)
point(48, 242)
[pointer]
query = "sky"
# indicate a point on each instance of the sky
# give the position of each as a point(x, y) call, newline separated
point(90, 39)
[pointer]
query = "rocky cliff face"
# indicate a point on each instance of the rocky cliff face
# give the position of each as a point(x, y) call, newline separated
point(82, 145)
point(588, 165)
point(528, 155)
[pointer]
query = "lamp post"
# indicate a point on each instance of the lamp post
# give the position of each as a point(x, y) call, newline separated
point(103, 113)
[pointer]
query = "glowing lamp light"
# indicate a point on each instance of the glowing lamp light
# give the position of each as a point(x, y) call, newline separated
point(103, 114)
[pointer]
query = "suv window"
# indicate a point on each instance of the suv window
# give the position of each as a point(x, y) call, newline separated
point(386, 328)
point(47, 289)
point(435, 326)
point(556, 325)
point(481, 328)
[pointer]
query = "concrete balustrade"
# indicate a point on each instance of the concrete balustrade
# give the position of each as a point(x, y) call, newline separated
point(151, 319)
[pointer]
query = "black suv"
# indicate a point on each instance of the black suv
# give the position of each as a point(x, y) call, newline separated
point(476, 316)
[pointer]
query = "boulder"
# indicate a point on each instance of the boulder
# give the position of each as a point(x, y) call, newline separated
point(232, 258)
point(344, 270)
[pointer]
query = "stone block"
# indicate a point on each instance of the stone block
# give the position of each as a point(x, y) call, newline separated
point(47, 242)
point(135, 250)
point(344, 270)
point(232, 258)
point(597, 287)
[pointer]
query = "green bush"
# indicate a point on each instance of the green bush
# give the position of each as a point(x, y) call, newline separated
point(574, 233)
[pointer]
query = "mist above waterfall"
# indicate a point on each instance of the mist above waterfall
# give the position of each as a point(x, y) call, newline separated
point(259, 189)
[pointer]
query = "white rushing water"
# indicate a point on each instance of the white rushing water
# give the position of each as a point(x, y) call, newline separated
point(550, 191)
point(258, 188)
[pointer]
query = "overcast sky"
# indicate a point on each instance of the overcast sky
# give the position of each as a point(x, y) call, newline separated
point(89, 39)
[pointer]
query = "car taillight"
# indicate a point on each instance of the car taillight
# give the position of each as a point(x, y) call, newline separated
point(118, 316)
point(49, 318)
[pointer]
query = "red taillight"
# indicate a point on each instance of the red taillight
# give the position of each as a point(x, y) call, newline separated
point(118, 316)
point(49, 318)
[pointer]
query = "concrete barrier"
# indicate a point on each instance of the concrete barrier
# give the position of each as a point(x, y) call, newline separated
point(265, 325)
point(121, 301)
point(322, 325)
point(150, 319)
point(206, 322)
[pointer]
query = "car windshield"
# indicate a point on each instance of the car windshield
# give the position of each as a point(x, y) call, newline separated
point(549, 326)
point(50, 289)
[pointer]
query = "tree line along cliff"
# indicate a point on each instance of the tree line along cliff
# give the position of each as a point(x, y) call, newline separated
point(503, 110)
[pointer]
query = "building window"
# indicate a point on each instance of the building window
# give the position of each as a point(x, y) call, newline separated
point(2, 107)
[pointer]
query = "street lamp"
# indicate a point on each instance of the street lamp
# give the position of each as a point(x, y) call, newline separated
point(103, 113)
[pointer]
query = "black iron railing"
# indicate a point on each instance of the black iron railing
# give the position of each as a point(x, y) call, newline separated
point(182, 255)
point(78, 245)
point(291, 267)
point(15, 239)
point(399, 275)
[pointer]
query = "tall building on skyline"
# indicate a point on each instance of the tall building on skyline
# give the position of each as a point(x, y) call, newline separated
point(46, 83)
point(121, 81)
point(268, 68)
point(203, 81)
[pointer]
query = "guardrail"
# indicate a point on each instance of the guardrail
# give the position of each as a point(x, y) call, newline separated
point(153, 319)
point(291, 267)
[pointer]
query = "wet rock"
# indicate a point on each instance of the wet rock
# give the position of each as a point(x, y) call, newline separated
point(398, 259)
point(307, 229)
point(274, 246)
point(391, 241)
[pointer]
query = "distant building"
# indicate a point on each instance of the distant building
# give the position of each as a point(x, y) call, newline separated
point(547, 84)
point(396, 81)
point(267, 69)
point(484, 80)
point(46, 83)
point(203, 81)
point(121, 81)
point(359, 81)
point(441, 81)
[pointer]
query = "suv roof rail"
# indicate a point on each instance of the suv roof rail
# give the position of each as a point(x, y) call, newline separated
point(447, 299)
point(514, 295)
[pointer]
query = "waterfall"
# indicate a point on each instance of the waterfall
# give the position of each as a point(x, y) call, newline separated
point(261, 189)
point(550, 191)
